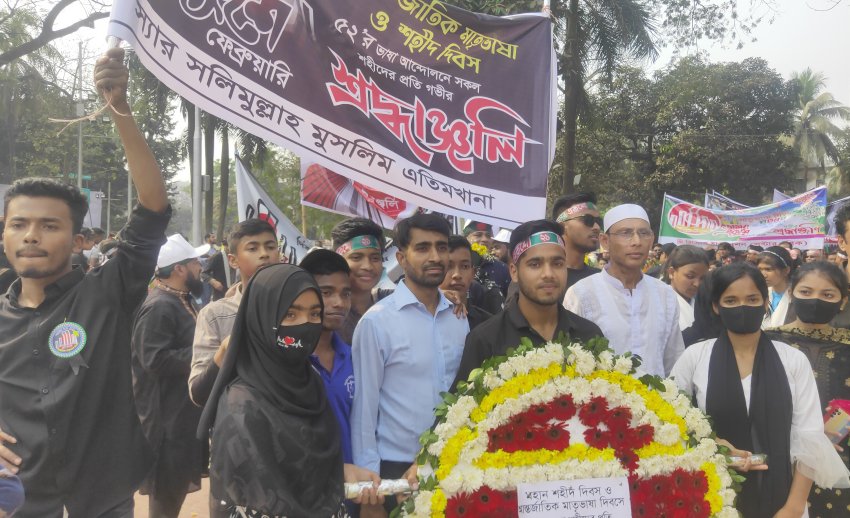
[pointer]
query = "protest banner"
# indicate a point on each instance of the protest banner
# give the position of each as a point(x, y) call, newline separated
point(800, 220)
point(716, 201)
point(254, 202)
point(446, 109)
point(326, 190)
point(779, 196)
point(831, 211)
point(94, 216)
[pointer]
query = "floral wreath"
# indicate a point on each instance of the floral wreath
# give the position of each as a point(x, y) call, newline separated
point(567, 411)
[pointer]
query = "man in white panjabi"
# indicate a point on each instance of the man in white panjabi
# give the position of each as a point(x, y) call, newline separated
point(637, 313)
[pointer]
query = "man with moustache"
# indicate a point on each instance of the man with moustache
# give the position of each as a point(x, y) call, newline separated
point(406, 352)
point(161, 361)
point(70, 430)
point(582, 225)
point(538, 268)
point(499, 248)
point(637, 313)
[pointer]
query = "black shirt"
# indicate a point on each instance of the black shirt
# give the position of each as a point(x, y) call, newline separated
point(573, 276)
point(74, 416)
point(842, 319)
point(507, 328)
point(162, 357)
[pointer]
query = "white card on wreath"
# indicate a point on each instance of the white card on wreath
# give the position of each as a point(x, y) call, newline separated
point(582, 498)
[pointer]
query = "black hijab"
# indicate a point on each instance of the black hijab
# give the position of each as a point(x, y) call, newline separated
point(766, 428)
point(275, 444)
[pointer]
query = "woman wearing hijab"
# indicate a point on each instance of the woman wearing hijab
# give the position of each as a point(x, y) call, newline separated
point(275, 445)
point(819, 291)
point(761, 396)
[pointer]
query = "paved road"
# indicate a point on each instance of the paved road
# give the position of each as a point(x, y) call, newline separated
point(196, 505)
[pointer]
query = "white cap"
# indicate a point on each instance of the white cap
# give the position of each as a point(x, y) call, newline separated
point(177, 249)
point(625, 211)
point(503, 236)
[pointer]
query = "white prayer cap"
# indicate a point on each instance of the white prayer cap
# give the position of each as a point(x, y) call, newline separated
point(625, 211)
point(503, 236)
point(177, 249)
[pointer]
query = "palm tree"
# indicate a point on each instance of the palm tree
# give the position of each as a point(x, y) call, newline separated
point(594, 36)
point(815, 128)
point(599, 35)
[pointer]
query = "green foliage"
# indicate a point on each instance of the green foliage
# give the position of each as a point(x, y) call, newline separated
point(692, 127)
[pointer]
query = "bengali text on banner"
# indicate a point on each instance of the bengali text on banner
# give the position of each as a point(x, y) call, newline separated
point(446, 109)
point(799, 220)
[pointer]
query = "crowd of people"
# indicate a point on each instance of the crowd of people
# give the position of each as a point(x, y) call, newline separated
point(162, 363)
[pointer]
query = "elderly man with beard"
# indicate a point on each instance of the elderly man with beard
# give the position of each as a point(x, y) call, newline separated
point(582, 225)
point(161, 361)
point(406, 351)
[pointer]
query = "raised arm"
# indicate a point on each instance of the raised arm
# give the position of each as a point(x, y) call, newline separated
point(111, 78)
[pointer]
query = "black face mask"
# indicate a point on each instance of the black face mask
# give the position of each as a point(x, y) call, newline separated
point(298, 342)
point(742, 320)
point(816, 311)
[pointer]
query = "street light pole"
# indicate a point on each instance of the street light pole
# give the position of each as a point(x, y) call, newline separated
point(80, 114)
point(197, 186)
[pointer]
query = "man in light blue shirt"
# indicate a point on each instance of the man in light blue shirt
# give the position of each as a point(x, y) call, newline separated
point(406, 350)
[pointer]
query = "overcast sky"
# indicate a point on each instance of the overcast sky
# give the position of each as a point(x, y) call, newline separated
point(802, 36)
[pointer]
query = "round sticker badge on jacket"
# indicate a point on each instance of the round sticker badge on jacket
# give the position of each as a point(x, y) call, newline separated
point(67, 339)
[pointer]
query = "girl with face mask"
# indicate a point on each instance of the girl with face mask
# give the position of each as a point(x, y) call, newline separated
point(275, 441)
point(819, 292)
point(683, 271)
point(776, 265)
point(761, 396)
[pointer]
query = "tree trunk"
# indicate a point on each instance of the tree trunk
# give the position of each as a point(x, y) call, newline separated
point(209, 158)
point(572, 91)
point(223, 183)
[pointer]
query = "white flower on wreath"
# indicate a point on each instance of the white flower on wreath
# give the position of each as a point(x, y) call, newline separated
point(606, 360)
point(667, 435)
point(623, 365)
point(423, 503)
point(492, 380)
point(506, 370)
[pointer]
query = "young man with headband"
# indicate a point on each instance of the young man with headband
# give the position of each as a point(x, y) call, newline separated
point(637, 313)
point(361, 242)
point(539, 270)
point(582, 225)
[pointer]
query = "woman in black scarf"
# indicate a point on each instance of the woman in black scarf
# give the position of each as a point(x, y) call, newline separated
point(275, 443)
point(762, 398)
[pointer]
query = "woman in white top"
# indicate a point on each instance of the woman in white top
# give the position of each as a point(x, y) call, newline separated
point(762, 397)
point(776, 265)
point(685, 267)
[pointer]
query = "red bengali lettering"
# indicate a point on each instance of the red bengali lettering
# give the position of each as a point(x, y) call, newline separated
point(427, 131)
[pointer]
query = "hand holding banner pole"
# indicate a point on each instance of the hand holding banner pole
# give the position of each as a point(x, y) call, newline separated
point(111, 42)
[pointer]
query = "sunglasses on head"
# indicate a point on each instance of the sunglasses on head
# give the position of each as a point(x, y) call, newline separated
point(588, 219)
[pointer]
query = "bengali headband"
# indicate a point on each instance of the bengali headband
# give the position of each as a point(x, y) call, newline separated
point(572, 210)
point(540, 238)
point(358, 243)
